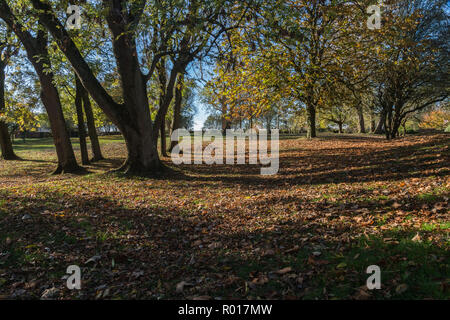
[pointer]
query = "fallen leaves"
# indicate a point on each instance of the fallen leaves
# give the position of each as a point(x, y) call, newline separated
point(93, 259)
point(180, 286)
point(318, 262)
point(401, 288)
point(417, 238)
point(283, 271)
point(226, 229)
point(50, 294)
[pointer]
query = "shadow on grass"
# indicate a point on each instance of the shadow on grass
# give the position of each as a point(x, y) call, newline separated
point(144, 250)
point(409, 270)
point(333, 166)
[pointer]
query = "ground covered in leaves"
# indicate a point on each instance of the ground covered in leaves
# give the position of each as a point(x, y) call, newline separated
point(338, 205)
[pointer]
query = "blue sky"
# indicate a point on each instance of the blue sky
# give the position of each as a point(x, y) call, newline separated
point(200, 116)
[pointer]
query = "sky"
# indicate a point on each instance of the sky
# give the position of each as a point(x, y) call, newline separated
point(200, 116)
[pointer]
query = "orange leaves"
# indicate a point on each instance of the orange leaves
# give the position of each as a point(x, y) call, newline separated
point(436, 119)
point(227, 232)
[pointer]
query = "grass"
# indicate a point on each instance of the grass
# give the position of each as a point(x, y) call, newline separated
point(338, 205)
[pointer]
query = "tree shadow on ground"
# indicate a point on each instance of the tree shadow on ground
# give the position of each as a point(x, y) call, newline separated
point(145, 250)
point(334, 165)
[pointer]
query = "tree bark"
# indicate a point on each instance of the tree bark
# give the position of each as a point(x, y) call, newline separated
point(92, 131)
point(225, 122)
point(373, 126)
point(361, 123)
point(176, 124)
point(396, 127)
point(143, 158)
point(381, 123)
point(162, 77)
point(388, 125)
point(5, 138)
point(166, 96)
point(67, 162)
point(80, 118)
point(311, 121)
point(6, 143)
point(163, 138)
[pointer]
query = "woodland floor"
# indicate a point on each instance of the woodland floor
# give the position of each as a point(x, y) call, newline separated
point(338, 205)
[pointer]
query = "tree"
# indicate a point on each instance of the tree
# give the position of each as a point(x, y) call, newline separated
point(7, 49)
point(36, 47)
point(436, 119)
point(307, 32)
point(413, 61)
point(92, 131)
point(176, 124)
point(25, 119)
point(80, 121)
point(180, 29)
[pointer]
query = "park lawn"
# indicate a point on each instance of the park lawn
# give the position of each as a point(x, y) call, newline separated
point(339, 204)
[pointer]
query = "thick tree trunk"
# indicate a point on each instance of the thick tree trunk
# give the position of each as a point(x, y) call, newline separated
point(80, 118)
point(6, 143)
point(143, 158)
point(388, 125)
point(340, 127)
point(361, 123)
point(92, 131)
point(396, 127)
point(5, 138)
point(311, 121)
point(133, 118)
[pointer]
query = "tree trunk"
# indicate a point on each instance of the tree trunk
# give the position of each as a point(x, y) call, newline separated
point(143, 158)
point(92, 131)
point(5, 138)
point(388, 125)
point(381, 123)
point(226, 124)
point(372, 121)
point(311, 122)
point(80, 118)
point(340, 127)
point(361, 123)
point(50, 98)
point(162, 112)
point(6, 143)
point(396, 127)
point(176, 124)
point(163, 138)
point(166, 96)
